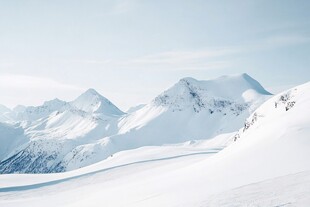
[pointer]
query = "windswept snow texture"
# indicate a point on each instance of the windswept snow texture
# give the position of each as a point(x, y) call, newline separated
point(66, 136)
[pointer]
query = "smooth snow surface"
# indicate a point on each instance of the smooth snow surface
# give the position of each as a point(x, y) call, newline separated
point(290, 190)
point(265, 163)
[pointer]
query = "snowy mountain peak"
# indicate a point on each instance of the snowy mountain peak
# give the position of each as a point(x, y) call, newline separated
point(90, 94)
point(93, 102)
point(55, 103)
point(32, 113)
point(240, 88)
point(188, 80)
point(92, 91)
point(240, 83)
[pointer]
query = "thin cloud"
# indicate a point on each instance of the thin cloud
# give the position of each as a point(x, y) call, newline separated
point(168, 60)
point(176, 57)
point(277, 41)
point(203, 59)
point(30, 90)
point(183, 60)
point(12, 81)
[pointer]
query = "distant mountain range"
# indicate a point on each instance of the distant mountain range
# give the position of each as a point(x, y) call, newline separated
point(60, 136)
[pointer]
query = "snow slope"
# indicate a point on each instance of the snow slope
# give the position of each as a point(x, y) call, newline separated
point(289, 190)
point(135, 108)
point(274, 142)
point(11, 138)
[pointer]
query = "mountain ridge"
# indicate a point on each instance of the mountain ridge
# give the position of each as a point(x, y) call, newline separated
point(90, 128)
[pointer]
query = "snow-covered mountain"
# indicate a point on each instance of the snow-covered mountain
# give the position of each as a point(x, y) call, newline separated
point(65, 136)
point(193, 109)
point(238, 89)
point(266, 163)
point(189, 110)
point(57, 127)
point(33, 113)
point(89, 102)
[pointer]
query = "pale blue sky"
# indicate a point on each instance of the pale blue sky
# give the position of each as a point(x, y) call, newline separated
point(131, 50)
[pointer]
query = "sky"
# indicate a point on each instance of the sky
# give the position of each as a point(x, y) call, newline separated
point(132, 50)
